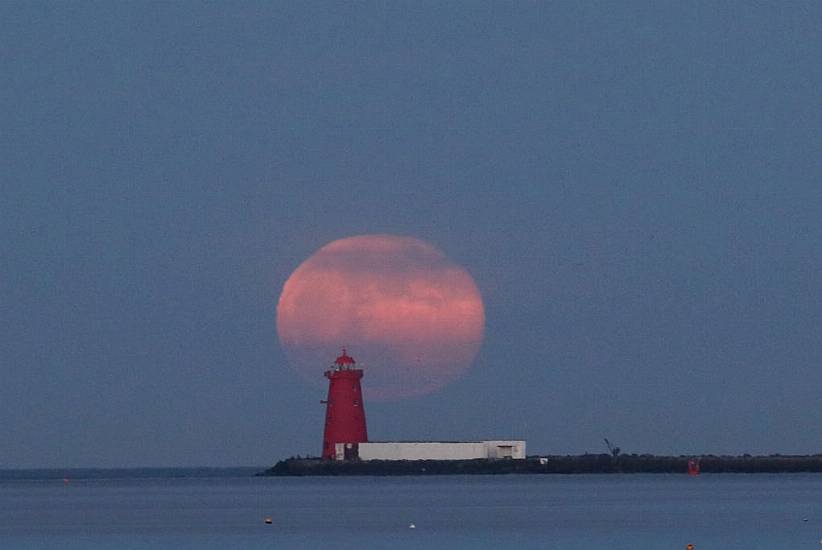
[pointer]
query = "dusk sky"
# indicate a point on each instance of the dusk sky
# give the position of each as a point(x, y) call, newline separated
point(635, 188)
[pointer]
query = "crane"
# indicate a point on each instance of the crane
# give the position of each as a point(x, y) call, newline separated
point(613, 450)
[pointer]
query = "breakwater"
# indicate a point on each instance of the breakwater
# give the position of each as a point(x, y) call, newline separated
point(550, 464)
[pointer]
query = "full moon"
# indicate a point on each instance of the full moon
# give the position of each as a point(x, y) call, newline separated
point(411, 318)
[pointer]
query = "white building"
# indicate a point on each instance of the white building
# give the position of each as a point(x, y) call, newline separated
point(431, 450)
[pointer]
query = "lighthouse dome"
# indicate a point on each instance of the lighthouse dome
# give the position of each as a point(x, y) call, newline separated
point(344, 360)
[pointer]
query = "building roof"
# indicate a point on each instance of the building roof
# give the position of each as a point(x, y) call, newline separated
point(451, 442)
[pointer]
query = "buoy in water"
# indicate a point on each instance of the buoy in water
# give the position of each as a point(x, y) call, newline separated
point(689, 547)
point(412, 526)
point(268, 521)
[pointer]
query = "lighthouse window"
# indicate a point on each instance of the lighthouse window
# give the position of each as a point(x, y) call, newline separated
point(356, 402)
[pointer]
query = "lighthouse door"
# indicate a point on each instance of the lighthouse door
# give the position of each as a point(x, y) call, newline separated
point(352, 451)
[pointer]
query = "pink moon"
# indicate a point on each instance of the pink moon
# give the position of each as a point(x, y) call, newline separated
point(412, 318)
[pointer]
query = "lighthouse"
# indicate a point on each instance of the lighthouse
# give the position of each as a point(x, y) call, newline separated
point(344, 409)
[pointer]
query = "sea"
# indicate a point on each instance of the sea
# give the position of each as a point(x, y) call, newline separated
point(231, 508)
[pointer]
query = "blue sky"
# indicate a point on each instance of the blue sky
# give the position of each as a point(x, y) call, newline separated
point(635, 188)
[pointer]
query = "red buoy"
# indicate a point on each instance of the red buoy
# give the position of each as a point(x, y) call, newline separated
point(344, 410)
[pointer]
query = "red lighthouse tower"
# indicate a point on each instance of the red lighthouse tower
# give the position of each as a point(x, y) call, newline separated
point(344, 412)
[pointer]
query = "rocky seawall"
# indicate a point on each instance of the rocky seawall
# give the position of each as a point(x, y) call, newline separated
point(547, 464)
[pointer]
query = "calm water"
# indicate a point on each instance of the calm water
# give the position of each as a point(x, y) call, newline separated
point(576, 512)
